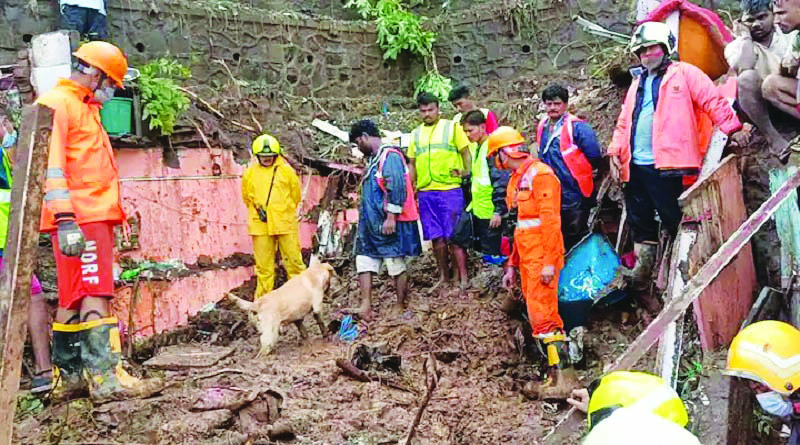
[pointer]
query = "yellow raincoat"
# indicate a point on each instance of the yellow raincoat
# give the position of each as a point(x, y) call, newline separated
point(281, 229)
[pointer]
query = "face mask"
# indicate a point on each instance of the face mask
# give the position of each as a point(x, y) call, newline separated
point(104, 95)
point(775, 404)
point(9, 139)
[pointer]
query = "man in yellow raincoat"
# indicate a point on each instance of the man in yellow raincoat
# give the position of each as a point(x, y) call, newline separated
point(271, 192)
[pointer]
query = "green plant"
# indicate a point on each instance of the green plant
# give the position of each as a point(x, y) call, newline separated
point(435, 83)
point(29, 404)
point(163, 100)
point(399, 29)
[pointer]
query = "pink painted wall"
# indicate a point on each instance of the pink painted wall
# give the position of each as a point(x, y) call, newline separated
point(183, 219)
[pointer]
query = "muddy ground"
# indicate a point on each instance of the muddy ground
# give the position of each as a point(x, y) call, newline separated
point(477, 400)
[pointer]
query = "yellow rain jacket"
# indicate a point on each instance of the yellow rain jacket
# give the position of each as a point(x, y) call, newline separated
point(283, 199)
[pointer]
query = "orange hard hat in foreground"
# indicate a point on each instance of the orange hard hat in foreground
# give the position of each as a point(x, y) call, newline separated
point(105, 57)
point(506, 137)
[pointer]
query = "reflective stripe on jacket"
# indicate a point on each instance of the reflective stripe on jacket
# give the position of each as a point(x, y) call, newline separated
point(280, 204)
point(685, 91)
point(481, 205)
point(82, 181)
point(573, 156)
point(5, 200)
point(409, 210)
point(535, 192)
point(435, 158)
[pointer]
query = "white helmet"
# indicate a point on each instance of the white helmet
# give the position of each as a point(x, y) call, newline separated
point(629, 426)
point(653, 33)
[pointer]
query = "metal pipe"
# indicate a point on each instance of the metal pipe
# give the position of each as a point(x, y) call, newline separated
point(176, 178)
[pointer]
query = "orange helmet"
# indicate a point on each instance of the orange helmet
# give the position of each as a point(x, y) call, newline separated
point(105, 57)
point(509, 139)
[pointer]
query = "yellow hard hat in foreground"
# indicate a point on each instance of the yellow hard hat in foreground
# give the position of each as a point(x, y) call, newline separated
point(266, 145)
point(636, 390)
point(767, 352)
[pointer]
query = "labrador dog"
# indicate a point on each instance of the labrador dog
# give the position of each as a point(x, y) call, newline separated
point(290, 303)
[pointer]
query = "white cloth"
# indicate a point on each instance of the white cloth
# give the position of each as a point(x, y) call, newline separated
point(395, 266)
point(99, 5)
point(779, 47)
point(626, 426)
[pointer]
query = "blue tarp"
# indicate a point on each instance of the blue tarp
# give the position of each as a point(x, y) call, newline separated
point(591, 268)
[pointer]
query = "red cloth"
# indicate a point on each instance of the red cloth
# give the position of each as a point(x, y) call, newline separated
point(491, 122)
point(92, 273)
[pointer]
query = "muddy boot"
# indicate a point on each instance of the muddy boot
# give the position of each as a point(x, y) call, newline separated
point(67, 363)
point(101, 353)
point(642, 271)
point(561, 377)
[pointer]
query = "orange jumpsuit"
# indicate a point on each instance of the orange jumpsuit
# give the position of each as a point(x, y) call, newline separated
point(536, 193)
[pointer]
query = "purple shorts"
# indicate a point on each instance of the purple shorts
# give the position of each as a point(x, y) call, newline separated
point(439, 211)
point(36, 287)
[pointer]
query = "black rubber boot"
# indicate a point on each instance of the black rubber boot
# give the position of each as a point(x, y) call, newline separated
point(67, 362)
point(102, 360)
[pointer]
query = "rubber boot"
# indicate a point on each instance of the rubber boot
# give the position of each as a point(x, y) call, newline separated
point(101, 352)
point(642, 271)
point(561, 377)
point(67, 362)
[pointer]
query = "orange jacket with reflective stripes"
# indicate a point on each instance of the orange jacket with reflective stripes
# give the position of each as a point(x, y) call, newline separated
point(82, 181)
point(535, 192)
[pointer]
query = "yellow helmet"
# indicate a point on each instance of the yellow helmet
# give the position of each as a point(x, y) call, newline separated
point(636, 390)
point(266, 145)
point(767, 352)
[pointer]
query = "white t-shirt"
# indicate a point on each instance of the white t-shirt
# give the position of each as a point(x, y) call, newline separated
point(780, 46)
point(99, 5)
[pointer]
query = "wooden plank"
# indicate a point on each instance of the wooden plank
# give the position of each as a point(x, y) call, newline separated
point(710, 270)
point(671, 342)
point(717, 206)
point(20, 255)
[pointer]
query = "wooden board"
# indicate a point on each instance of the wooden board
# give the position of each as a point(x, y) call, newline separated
point(716, 206)
point(188, 356)
point(20, 255)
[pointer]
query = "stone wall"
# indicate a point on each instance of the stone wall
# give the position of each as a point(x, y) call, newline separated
point(316, 56)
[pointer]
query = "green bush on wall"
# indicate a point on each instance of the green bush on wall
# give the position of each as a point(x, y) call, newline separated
point(163, 101)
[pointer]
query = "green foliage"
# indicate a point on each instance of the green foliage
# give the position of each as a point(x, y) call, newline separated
point(399, 29)
point(689, 378)
point(29, 404)
point(163, 101)
point(435, 83)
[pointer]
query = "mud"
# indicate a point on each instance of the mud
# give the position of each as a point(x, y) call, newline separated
point(477, 399)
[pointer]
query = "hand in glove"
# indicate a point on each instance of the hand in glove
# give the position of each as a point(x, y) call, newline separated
point(70, 238)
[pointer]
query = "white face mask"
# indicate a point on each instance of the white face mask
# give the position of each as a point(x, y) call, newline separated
point(9, 139)
point(775, 404)
point(104, 95)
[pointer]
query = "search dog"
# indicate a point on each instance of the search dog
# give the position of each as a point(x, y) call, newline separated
point(290, 303)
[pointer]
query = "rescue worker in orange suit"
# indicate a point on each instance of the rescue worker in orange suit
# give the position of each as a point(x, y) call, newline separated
point(271, 192)
point(535, 193)
point(655, 143)
point(81, 207)
point(569, 146)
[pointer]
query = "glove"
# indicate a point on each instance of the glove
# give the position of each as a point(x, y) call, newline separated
point(70, 238)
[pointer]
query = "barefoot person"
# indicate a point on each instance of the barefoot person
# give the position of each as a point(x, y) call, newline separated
point(387, 222)
point(440, 160)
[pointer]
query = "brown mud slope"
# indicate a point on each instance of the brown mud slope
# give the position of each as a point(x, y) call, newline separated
point(477, 399)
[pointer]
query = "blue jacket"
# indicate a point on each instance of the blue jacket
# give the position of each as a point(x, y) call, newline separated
point(586, 140)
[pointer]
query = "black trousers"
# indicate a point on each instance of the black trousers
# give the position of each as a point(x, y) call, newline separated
point(574, 225)
point(651, 190)
point(87, 21)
